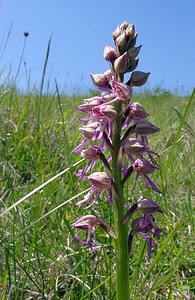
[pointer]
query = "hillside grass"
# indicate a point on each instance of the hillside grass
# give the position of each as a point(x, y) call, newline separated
point(39, 258)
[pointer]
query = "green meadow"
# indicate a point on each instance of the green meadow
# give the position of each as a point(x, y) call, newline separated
point(39, 258)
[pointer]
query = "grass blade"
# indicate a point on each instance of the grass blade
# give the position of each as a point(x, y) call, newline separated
point(178, 133)
point(158, 255)
point(39, 188)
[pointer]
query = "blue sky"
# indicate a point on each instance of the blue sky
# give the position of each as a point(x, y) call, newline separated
point(81, 29)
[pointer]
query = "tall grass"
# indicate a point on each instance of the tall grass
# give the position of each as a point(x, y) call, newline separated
point(39, 257)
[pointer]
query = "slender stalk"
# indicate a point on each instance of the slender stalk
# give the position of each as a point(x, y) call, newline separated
point(42, 85)
point(15, 78)
point(122, 256)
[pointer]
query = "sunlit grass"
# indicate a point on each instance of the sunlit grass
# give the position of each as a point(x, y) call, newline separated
point(39, 257)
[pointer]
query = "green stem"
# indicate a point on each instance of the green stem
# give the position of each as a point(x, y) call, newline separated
point(122, 255)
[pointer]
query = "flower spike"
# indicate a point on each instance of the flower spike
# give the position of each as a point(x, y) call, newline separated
point(116, 131)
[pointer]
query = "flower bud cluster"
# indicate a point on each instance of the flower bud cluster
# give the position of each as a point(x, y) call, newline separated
point(101, 112)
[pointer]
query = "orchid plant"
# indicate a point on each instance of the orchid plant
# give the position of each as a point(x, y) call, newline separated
point(115, 132)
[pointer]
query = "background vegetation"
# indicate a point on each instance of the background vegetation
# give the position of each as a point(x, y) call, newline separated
point(39, 258)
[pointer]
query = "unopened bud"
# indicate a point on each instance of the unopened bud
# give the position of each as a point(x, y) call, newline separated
point(109, 53)
point(124, 25)
point(138, 78)
point(99, 79)
point(130, 31)
point(121, 63)
point(132, 41)
point(133, 52)
point(132, 65)
point(116, 33)
point(121, 41)
point(144, 127)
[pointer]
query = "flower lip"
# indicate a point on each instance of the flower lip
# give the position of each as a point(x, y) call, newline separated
point(105, 110)
point(145, 225)
point(123, 91)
